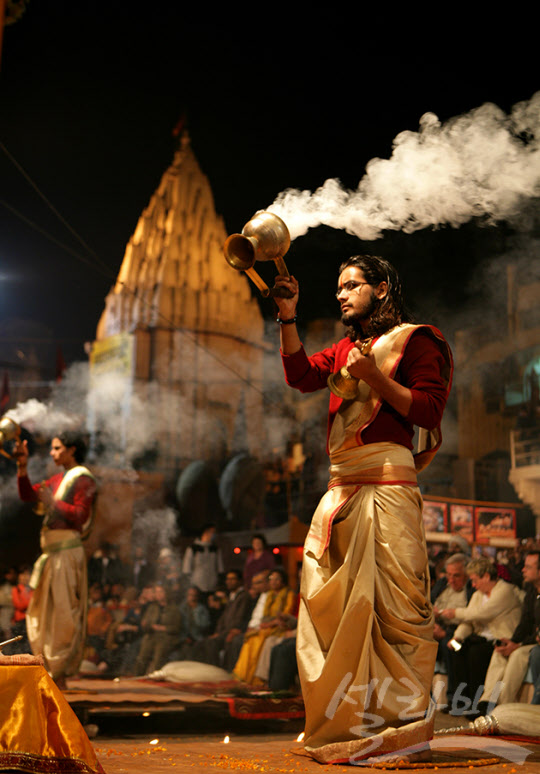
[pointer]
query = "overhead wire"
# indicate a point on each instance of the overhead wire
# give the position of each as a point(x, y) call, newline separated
point(46, 234)
point(100, 265)
point(51, 206)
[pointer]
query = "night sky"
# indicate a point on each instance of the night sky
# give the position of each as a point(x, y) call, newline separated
point(90, 94)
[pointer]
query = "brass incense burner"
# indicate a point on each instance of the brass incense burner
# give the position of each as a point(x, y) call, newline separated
point(343, 384)
point(264, 238)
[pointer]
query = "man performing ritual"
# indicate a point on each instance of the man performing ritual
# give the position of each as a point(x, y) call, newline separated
point(365, 646)
point(56, 616)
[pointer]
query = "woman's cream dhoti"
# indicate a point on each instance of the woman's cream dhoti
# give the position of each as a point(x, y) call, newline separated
point(365, 644)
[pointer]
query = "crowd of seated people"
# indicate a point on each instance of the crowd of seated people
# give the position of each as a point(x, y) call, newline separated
point(139, 621)
point(487, 624)
point(144, 614)
point(487, 618)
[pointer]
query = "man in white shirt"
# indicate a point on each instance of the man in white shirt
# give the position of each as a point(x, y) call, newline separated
point(457, 593)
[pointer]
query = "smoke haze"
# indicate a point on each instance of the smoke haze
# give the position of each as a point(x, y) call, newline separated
point(483, 164)
point(66, 409)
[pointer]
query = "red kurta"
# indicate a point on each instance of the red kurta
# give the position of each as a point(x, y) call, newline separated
point(365, 643)
point(422, 369)
point(71, 514)
point(21, 596)
point(56, 616)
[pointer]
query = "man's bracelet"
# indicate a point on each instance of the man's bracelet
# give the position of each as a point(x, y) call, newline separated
point(286, 322)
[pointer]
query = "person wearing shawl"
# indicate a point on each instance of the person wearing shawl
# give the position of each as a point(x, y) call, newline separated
point(280, 600)
point(56, 616)
point(365, 646)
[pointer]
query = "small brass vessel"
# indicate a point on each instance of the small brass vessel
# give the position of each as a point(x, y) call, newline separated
point(342, 383)
point(264, 238)
point(9, 431)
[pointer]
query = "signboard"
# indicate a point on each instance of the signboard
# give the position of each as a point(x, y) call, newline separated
point(435, 516)
point(113, 354)
point(462, 521)
point(494, 523)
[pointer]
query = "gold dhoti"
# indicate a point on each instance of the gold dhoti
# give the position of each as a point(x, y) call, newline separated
point(365, 644)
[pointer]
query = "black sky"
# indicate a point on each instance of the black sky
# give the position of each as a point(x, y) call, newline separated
point(90, 94)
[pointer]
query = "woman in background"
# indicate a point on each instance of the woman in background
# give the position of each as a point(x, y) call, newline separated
point(260, 558)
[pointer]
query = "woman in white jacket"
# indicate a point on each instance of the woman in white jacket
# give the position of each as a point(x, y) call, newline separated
point(492, 613)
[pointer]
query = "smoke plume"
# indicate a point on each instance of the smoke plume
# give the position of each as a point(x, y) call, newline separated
point(483, 164)
point(65, 410)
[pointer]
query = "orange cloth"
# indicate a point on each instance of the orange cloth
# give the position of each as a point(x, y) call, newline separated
point(38, 729)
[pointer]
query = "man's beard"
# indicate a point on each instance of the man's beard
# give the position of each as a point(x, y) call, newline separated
point(356, 321)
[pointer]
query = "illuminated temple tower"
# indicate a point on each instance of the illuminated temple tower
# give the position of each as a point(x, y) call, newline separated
point(178, 355)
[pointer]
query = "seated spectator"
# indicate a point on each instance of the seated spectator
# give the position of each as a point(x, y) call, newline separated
point(283, 663)
point(6, 602)
point(21, 594)
point(507, 569)
point(280, 668)
point(534, 663)
point(195, 626)
point(116, 603)
point(516, 561)
point(125, 601)
point(258, 593)
point(124, 637)
point(442, 580)
point(281, 599)
point(161, 625)
point(259, 559)
point(286, 630)
point(216, 603)
point(283, 666)
point(99, 619)
point(232, 621)
point(492, 613)
point(455, 592)
point(510, 660)
point(436, 572)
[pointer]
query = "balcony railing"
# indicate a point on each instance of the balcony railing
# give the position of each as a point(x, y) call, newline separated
point(525, 447)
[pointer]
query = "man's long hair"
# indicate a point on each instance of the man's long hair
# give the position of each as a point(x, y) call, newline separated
point(389, 311)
